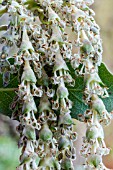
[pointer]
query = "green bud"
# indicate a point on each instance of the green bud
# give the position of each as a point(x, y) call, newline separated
point(62, 91)
point(63, 143)
point(57, 165)
point(59, 63)
point(98, 105)
point(28, 74)
point(94, 132)
point(26, 44)
point(45, 133)
point(66, 164)
point(65, 119)
point(30, 133)
point(92, 78)
point(25, 157)
point(91, 134)
point(44, 104)
point(87, 47)
point(29, 106)
point(47, 162)
point(37, 160)
point(94, 160)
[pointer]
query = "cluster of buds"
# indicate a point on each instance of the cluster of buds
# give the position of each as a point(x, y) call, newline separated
point(36, 45)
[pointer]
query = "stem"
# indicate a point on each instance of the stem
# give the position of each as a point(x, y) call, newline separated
point(8, 89)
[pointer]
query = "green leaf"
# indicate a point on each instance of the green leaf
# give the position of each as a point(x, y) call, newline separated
point(107, 78)
point(7, 94)
point(76, 95)
point(76, 92)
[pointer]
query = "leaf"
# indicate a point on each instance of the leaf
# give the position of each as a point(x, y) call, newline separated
point(76, 95)
point(107, 78)
point(7, 94)
point(76, 92)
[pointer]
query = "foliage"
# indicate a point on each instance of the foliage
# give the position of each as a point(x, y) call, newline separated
point(9, 153)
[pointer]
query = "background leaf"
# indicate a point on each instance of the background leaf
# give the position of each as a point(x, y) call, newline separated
point(107, 78)
point(6, 95)
point(76, 95)
point(9, 153)
point(76, 92)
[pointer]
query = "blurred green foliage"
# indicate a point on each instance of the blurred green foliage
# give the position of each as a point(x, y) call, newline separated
point(9, 153)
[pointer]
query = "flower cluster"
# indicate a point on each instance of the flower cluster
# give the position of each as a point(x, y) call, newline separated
point(36, 45)
point(85, 60)
point(85, 57)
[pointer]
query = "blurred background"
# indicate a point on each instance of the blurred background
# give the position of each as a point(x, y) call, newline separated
point(9, 152)
point(104, 18)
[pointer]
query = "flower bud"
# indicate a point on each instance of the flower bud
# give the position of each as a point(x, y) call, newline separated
point(94, 132)
point(44, 104)
point(45, 133)
point(28, 74)
point(94, 160)
point(59, 63)
point(25, 157)
point(62, 91)
point(63, 143)
point(91, 79)
point(57, 165)
point(46, 162)
point(30, 132)
point(26, 44)
point(86, 48)
point(29, 106)
point(98, 105)
point(95, 30)
point(66, 164)
point(65, 119)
